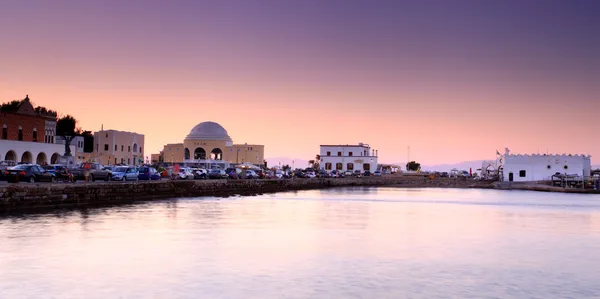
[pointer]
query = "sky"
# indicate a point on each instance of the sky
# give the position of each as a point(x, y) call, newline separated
point(454, 80)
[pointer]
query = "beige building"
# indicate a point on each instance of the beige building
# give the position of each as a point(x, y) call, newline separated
point(118, 147)
point(209, 143)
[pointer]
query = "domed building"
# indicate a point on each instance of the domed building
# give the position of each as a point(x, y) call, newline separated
point(208, 144)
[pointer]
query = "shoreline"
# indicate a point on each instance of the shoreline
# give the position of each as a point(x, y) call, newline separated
point(23, 198)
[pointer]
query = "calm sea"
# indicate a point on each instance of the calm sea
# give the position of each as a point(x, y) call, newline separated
point(338, 243)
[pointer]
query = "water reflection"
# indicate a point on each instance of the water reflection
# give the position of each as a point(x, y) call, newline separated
point(335, 243)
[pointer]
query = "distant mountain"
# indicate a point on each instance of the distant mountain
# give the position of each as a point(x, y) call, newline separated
point(596, 166)
point(296, 163)
point(474, 165)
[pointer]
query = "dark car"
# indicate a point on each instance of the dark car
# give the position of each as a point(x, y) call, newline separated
point(54, 169)
point(148, 174)
point(367, 173)
point(28, 173)
point(217, 174)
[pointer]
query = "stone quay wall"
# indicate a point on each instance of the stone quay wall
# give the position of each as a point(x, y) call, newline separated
point(30, 197)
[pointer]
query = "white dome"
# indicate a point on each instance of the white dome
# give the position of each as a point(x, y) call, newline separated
point(208, 131)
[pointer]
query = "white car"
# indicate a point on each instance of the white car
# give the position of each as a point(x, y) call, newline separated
point(310, 175)
point(279, 174)
point(348, 173)
point(185, 174)
point(377, 173)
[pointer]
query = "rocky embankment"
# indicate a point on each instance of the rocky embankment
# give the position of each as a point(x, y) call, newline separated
point(26, 197)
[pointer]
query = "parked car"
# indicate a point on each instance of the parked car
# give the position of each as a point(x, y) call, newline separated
point(367, 173)
point(348, 173)
point(92, 172)
point(147, 173)
point(278, 174)
point(377, 173)
point(357, 173)
point(28, 173)
point(54, 168)
point(4, 165)
point(310, 175)
point(216, 174)
point(251, 174)
point(336, 174)
point(185, 174)
point(124, 173)
point(444, 174)
point(200, 174)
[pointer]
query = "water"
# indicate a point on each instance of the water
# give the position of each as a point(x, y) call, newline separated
point(339, 243)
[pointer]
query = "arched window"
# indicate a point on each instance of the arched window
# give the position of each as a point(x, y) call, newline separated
point(35, 135)
point(327, 166)
point(367, 166)
point(20, 136)
point(350, 166)
point(4, 132)
point(135, 147)
point(339, 166)
point(199, 154)
point(216, 154)
point(186, 153)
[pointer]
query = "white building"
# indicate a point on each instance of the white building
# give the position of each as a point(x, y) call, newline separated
point(31, 152)
point(348, 157)
point(541, 167)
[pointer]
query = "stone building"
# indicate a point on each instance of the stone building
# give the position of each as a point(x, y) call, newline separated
point(112, 147)
point(28, 133)
point(209, 144)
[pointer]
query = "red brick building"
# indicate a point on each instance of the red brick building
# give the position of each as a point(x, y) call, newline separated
point(24, 123)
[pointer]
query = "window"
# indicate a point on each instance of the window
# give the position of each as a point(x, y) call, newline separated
point(20, 137)
point(350, 166)
point(122, 148)
point(128, 161)
point(115, 161)
point(327, 166)
point(34, 135)
point(106, 147)
point(328, 153)
point(129, 149)
point(141, 150)
point(115, 148)
point(350, 154)
point(522, 173)
point(339, 166)
point(366, 166)
point(339, 154)
point(4, 132)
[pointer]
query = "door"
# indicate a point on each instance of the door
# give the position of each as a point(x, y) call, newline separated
point(510, 177)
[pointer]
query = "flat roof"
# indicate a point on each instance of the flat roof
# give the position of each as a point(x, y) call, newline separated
point(345, 145)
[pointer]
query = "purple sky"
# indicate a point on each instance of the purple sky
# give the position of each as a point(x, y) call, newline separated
point(414, 69)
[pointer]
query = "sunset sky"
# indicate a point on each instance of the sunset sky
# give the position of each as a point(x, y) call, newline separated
point(455, 80)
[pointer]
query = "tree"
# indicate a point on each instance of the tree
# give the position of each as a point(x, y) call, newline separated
point(317, 162)
point(413, 166)
point(286, 167)
point(88, 141)
point(66, 127)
